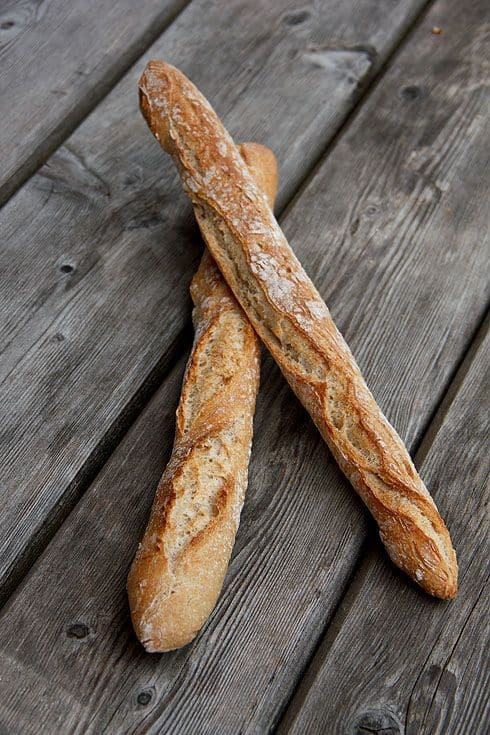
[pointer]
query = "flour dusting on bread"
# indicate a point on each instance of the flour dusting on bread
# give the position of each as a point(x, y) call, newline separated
point(178, 570)
point(291, 318)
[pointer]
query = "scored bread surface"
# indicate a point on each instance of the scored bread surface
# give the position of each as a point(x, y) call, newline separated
point(178, 570)
point(293, 321)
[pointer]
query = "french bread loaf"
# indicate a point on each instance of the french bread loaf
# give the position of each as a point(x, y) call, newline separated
point(291, 318)
point(178, 570)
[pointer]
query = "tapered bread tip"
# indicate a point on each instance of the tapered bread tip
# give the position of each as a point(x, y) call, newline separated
point(443, 586)
point(154, 89)
point(158, 75)
point(153, 607)
point(433, 566)
point(440, 582)
point(444, 583)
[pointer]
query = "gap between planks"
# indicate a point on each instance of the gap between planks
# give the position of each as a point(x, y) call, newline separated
point(459, 374)
point(109, 443)
point(93, 97)
point(367, 550)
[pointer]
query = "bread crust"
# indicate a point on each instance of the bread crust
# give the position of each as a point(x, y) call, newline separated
point(291, 318)
point(179, 568)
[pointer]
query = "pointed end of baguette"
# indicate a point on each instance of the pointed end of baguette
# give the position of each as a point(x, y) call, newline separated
point(443, 585)
point(163, 620)
point(429, 561)
point(160, 75)
point(155, 87)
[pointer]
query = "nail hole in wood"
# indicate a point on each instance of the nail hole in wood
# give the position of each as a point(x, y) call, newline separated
point(6, 24)
point(66, 268)
point(144, 698)
point(411, 93)
point(79, 630)
point(294, 19)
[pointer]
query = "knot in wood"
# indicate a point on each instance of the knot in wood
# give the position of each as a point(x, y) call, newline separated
point(79, 630)
point(377, 722)
point(144, 698)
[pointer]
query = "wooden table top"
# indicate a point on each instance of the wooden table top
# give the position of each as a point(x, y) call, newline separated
point(379, 115)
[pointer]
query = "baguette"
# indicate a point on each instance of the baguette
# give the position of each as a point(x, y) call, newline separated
point(178, 570)
point(291, 318)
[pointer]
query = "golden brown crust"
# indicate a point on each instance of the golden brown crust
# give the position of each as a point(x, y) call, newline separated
point(178, 570)
point(289, 315)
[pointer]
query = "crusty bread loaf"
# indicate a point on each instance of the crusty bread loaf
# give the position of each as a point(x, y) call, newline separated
point(178, 571)
point(293, 321)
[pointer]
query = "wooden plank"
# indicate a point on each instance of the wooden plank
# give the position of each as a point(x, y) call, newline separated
point(395, 661)
point(101, 245)
point(57, 60)
point(391, 255)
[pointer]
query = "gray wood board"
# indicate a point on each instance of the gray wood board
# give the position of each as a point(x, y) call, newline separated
point(403, 271)
point(57, 60)
point(392, 660)
point(100, 245)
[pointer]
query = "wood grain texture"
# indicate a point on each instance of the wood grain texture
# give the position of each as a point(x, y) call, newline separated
point(100, 245)
point(57, 60)
point(403, 272)
point(391, 660)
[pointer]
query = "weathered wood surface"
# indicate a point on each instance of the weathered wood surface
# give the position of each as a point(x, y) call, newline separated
point(391, 230)
point(393, 661)
point(57, 60)
point(100, 244)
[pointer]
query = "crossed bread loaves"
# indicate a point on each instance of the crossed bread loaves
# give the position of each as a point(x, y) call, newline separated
point(291, 318)
point(178, 570)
